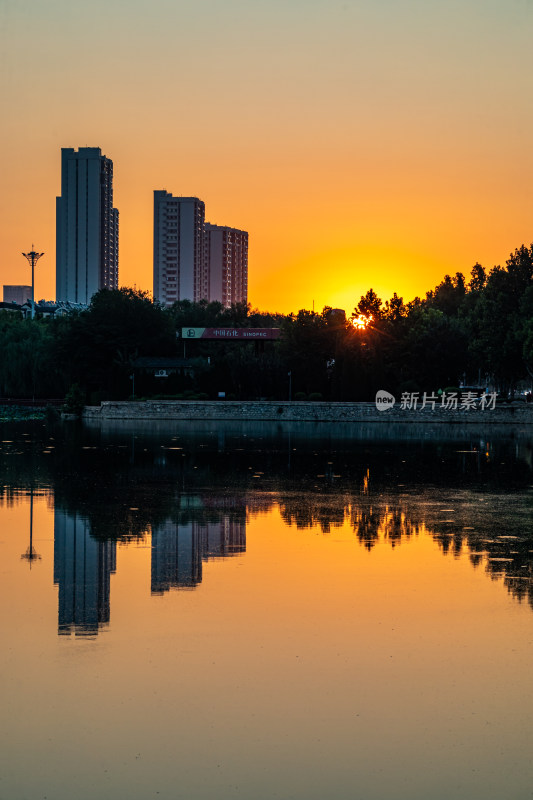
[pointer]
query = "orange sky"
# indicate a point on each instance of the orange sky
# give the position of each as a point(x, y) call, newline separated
point(361, 143)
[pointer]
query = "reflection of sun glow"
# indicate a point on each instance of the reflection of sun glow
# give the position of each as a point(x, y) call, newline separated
point(360, 322)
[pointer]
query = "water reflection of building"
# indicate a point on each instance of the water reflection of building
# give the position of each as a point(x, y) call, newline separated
point(179, 550)
point(82, 570)
point(176, 559)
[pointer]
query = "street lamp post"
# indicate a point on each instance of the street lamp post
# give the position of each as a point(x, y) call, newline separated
point(32, 259)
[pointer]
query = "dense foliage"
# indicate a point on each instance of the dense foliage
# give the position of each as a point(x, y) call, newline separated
point(472, 332)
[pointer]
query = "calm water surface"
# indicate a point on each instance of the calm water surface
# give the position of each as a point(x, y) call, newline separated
point(265, 611)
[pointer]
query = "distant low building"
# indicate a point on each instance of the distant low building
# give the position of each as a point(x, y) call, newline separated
point(45, 308)
point(58, 308)
point(17, 294)
point(10, 307)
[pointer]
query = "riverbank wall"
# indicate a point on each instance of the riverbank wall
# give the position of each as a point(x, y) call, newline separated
point(272, 411)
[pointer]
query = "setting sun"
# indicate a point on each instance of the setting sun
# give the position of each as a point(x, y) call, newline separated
point(360, 322)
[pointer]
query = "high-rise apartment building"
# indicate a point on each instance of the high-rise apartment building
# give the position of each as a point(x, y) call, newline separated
point(194, 260)
point(178, 247)
point(225, 273)
point(86, 226)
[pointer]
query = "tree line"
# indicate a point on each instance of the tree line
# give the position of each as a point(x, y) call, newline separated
point(471, 331)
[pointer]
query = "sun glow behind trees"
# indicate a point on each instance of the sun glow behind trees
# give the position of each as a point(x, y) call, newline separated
point(442, 340)
point(360, 322)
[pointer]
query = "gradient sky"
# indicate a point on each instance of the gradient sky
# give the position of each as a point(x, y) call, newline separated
point(361, 143)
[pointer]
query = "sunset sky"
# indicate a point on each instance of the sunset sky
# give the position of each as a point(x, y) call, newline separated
point(362, 143)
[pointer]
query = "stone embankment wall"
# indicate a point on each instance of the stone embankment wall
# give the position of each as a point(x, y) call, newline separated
point(302, 412)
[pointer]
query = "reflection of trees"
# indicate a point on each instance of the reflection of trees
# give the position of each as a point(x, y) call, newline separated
point(478, 532)
point(393, 525)
point(396, 520)
point(306, 511)
point(128, 484)
point(520, 586)
point(366, 524)
point(369, 522)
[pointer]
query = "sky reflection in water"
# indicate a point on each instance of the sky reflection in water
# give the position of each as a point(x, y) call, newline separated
point(267, 613)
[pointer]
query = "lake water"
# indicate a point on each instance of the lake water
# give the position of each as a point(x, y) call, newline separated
point(265, 611)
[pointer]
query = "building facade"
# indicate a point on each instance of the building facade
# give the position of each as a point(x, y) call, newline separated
point(225, 272)
point(178, 247)
point(17, 294)
point(86, 226)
